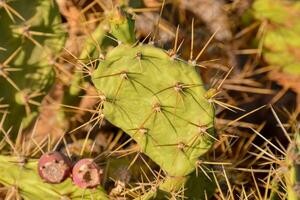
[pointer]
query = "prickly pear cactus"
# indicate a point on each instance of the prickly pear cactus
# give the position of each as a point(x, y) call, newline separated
point(24, 177)
point(31, 36)
point(160, 102)
point(282, 34)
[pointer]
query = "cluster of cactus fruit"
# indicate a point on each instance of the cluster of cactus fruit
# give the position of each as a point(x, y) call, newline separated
point(55, 167)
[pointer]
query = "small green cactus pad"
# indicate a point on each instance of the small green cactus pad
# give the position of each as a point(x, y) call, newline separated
point(32, 36)
point(30, 186)
point(94, 42)
point(121, 26)
point(159, 101)
point(281, 34)
point(116, 27)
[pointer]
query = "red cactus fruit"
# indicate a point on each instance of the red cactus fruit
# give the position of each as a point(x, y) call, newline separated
point(54, 167)
point(86, 173)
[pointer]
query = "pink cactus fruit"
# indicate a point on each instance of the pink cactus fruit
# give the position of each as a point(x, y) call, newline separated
point(86, 173)
point(54, 167)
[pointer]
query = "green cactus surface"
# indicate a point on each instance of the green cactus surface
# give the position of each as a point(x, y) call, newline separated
point(160, 102)
point(121, 26)
point(32, 37)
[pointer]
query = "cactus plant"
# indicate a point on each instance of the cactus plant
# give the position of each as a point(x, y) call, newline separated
point(32, 37)
point(160, 101)
point(157, 98)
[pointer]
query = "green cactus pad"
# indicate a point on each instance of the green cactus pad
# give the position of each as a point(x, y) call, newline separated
point(121, 26)
point(31, 39)
point(30, 186)
point(159, 102)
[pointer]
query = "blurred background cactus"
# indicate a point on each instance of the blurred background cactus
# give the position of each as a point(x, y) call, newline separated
point(280, 40)
point(31, 38)
point(149, 99)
